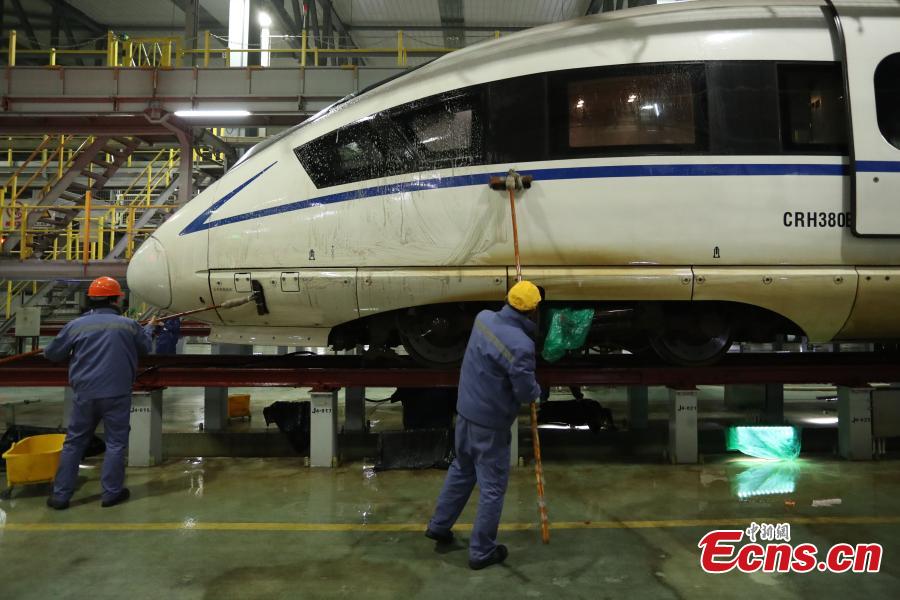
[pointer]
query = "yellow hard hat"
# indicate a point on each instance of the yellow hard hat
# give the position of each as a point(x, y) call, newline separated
point(524, 296)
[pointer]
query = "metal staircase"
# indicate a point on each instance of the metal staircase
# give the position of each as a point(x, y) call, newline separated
point(132, 215)
point(65, 198)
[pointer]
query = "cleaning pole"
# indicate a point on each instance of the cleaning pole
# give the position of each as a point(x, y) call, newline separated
point(225, 305)
point(511, 183)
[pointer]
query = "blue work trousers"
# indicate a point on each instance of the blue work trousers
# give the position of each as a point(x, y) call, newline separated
point(482, 456)
point(86, 415)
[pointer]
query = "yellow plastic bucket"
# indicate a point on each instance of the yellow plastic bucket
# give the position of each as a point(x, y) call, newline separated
point(34, 459)
point(238, 406)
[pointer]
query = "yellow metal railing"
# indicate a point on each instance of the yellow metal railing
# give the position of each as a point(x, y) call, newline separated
point(86, 238)
point(167, 52)
point(90, 235)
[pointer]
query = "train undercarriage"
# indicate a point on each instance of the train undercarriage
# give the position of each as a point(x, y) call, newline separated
point(681, 333)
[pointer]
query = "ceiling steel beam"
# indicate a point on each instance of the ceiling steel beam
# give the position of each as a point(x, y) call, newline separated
point(314, 24)
point(42, 270)
point(338, 25)
point(452, 21)
point(414, 27)
point(288, 25)
point(26, 24)
point(205, 15)
point(70, 12)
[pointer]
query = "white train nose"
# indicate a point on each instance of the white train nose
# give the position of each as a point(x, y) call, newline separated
point(148, 274)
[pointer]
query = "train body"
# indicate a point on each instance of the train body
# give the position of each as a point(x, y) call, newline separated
point(698, 168)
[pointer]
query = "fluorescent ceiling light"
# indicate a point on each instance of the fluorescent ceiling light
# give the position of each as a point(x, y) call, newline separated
point(264, 19)
point(212, 113)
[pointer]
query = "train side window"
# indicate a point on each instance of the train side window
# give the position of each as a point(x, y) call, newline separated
point(813, 114)
point(444, 132)
point(887, 98)
point(743, 107)
point(349, 154)
point(517, 127)
point(631, 109)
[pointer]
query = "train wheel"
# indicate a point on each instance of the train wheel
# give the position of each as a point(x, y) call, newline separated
point(436, 335)
point(693, 340)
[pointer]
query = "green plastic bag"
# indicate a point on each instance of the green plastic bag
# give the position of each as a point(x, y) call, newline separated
point(569, 328)
point(777, 442)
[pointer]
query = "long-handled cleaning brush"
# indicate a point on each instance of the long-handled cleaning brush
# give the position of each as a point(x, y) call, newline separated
point(225, 305)
point(512, 182)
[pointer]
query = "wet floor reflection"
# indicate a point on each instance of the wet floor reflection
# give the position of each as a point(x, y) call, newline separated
point(195, 472)
point(761, 477)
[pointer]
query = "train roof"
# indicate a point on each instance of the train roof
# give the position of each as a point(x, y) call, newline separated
point(695, 30)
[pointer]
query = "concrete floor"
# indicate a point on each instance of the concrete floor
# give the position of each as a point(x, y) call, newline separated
point(269, 528)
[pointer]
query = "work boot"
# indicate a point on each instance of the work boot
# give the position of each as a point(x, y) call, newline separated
point(118, 499)
point(494, 558)
point(57, 504)
point(440, 538)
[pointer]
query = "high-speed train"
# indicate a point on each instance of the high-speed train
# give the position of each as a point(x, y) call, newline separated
point(703, 172)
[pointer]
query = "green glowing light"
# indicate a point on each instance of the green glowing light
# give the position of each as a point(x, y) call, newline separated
point(779, 442)
point(769, 478)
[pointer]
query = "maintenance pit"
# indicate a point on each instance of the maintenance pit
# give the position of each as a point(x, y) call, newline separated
point(210, 521)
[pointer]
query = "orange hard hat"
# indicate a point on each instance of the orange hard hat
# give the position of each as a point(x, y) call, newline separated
point(104, 287)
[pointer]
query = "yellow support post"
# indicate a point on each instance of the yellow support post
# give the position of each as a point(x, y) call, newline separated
point(12, 48)
point(110, 58)
point(100, 236)
point(497, 34)
point(206, 43)
point(112, 229)
point(23, 235)
point(33, 288)
point(167, 55)
point(69, 241)
point(9, 157)
point(44, 151)
point(129, 54)
point(149, 180)
point(9, 296)
point(86, 246)
point(2, 212)
point(52, 57)
point(303, 48)
point(60, 159)
point(129, 231)
point(55, 247)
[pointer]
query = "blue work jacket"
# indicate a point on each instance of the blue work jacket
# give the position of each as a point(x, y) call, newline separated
point(167, 338)
point(498, 369)
point(104, 349)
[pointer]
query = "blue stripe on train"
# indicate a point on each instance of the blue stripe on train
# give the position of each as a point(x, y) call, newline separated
point(202, 222)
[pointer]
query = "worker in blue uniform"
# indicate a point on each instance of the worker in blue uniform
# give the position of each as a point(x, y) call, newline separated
point(497, 377)
point(102, 348)
point(167, 335)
